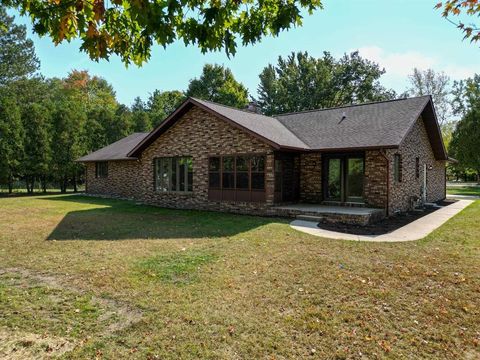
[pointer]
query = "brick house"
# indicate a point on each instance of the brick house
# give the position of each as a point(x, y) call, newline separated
point(382, 155)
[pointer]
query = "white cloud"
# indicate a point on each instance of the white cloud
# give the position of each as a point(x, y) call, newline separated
point(399, 65)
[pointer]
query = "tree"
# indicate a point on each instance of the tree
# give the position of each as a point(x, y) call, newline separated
point(36, 123)
point(466, 95)
point(466, 7)
point(121, 126)
point(67, 143)
point(140, 118)
point(11, 140)
point(217, 83)
point(93, 91)
point(433, 83)
point(130, 28)
point(17, 53)
point(160, 104)
point(466, 140)
point(301, 82)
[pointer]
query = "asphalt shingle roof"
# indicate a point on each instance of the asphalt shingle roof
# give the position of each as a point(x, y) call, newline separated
point(116, 151)
point(380, 124)
point(371, 125)
point(265, 126)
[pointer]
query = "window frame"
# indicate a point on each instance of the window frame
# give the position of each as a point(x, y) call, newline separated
point(101, 174)
point(167, 162)
point(235, 193)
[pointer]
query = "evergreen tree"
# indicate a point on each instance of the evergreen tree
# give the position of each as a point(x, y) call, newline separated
point(36, 123)
point(17, 53)
point(11, 140)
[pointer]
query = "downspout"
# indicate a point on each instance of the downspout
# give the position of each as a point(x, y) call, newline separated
point(383, 153)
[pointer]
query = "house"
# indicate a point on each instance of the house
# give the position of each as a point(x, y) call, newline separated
point(381, 156)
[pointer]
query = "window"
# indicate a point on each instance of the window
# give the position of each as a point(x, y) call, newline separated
point(174, 174)
point(417, 167)
point(228, 173)
point(101, 169)
point(258, 172)
point(242, 169)
point(397, 168)
point(241, 172)
point(214, 173)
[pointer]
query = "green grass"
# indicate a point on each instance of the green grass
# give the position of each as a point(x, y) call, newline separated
point(464, 190)
point(118, 280)
point(180, 268)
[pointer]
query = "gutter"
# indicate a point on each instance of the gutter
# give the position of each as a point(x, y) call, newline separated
point(384, 154)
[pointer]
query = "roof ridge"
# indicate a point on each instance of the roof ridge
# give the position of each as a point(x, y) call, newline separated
point(231, 107)
point(252, 113)
point(349, 106)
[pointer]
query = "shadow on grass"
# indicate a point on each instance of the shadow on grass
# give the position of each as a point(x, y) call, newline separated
point(121, 220)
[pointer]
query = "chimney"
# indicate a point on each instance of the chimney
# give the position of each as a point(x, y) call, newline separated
point(253, 107)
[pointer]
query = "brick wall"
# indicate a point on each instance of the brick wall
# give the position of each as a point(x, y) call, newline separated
point(311, 178)
point(375, 182)
point(197, 134)
point(122, 181)
point(416, 144)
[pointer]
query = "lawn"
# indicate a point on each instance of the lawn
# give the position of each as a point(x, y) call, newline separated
point(464, 190)
point(82, 277)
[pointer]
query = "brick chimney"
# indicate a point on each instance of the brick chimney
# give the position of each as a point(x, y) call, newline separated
point(253, 107)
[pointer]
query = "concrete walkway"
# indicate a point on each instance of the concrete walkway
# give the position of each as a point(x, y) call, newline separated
point(416, 230)
point(463, 197)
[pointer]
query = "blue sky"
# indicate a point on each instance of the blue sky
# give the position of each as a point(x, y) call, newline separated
point(398, 34)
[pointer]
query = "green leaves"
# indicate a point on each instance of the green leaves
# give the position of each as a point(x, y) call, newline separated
point(218, 84)
point(469, 8)
point(301, 82)
point(17, 53)
point(129, 29)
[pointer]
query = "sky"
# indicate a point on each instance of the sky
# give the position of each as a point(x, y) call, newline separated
point(397, 34)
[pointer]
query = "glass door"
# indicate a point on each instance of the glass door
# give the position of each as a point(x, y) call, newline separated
point(334, 180)
point(354, 179)
point(343, 177)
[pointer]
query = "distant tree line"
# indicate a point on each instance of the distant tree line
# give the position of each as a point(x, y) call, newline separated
point(45, 124)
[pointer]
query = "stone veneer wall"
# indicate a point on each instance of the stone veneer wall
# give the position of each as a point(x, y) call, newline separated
point(122, 181)
point(199, 134)
point(311, 178)
point(416, 144)
point(375, 182)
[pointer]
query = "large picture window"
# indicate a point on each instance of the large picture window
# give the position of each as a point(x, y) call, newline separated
point(174, 174)
point(101, 169)
point(237, 178)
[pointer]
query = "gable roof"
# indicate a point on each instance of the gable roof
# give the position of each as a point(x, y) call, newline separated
point(116, 151)
point(266, 128)
point(372, 125)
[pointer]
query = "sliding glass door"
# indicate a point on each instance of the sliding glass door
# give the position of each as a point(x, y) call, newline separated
point(343, 177)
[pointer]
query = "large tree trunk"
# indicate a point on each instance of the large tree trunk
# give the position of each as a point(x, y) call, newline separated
point(64, 184)
point(43, 181)
point(75, 182)
point(10, 184)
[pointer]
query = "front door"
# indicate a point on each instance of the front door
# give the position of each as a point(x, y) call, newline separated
point(343, 177)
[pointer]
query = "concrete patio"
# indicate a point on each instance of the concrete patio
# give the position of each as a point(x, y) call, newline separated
point(416, 230)
point(330, 213)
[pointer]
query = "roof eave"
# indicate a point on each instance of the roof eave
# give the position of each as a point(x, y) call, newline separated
point(81, 160)
point(173, 117)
